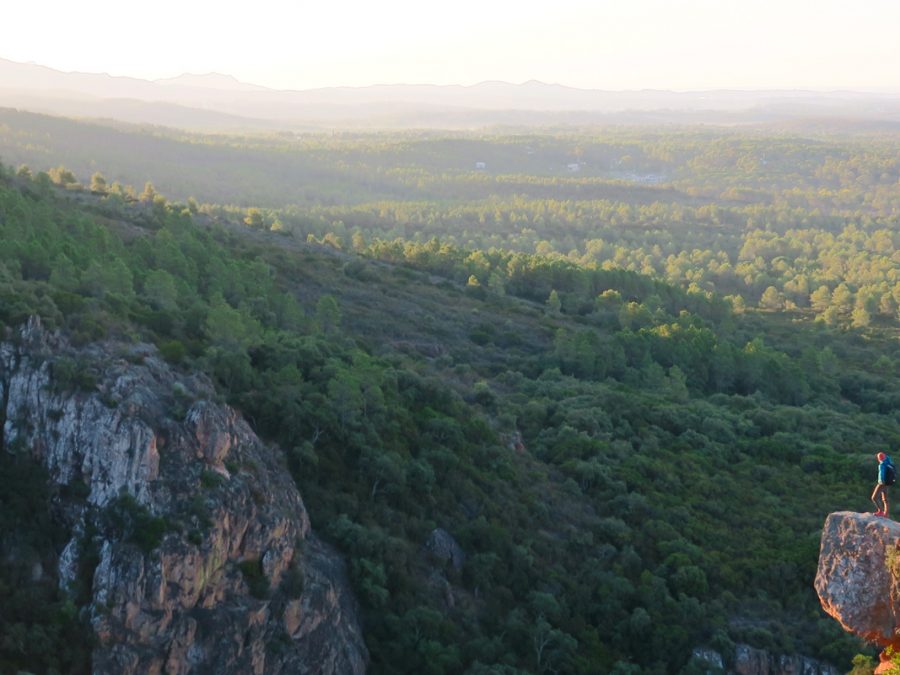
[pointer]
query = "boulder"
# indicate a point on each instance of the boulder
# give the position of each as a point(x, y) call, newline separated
point(857, 577)
point(442, 545)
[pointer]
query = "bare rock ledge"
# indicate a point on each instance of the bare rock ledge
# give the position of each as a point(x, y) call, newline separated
point(854, 579)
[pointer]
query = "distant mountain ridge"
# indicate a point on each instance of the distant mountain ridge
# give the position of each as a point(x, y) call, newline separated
point(210, 81)
point(249, 105)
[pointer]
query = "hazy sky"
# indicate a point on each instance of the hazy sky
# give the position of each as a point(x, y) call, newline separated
point(606, 44)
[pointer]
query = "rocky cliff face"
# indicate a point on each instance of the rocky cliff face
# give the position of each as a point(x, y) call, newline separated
point(855, 581)
point(748, 660)
point(192, 538)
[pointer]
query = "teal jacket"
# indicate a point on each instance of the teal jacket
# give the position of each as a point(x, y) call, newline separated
point(882, 469)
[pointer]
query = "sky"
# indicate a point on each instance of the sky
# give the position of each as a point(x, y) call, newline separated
point(601, 44)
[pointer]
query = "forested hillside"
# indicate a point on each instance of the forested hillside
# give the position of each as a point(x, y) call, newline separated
point(632, 468)
point(802, 222)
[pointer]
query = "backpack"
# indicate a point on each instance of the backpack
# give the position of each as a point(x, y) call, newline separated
point(890, 473)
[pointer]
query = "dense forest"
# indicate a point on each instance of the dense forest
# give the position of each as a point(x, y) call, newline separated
point(802, 224)
point(630, 390)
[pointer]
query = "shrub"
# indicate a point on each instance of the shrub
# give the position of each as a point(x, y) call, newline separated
point(255, 578)
point(73, 375)
point(293, 581)
point(133, 522)
point(173, 351)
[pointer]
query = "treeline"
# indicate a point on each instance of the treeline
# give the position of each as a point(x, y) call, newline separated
point(776, 222)
point(840, 274)
point(833, 172)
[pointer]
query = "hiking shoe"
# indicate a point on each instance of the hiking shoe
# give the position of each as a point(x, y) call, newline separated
point(879, 513)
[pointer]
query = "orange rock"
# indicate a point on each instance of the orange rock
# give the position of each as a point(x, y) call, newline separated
point(854, 579)
point(884, 664)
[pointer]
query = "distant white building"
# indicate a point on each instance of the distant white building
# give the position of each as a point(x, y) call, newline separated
point(480, 166)
point(650, 178)
point(574, 167)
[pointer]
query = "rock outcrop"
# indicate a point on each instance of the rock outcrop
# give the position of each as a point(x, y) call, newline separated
point(751, 661)
point(229, 578)
point(858, 573)
point(443, 546)
point(748, 660)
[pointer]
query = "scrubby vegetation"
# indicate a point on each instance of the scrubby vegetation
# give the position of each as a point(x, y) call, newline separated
point(40, 628)
point(634, 464)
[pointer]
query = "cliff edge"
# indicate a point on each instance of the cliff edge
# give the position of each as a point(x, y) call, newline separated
point(857, 576)
point(192, 537)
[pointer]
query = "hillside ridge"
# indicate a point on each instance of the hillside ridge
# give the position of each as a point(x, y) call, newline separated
point(631, 469)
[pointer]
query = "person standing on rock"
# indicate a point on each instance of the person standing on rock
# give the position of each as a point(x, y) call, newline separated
point(886, 476)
